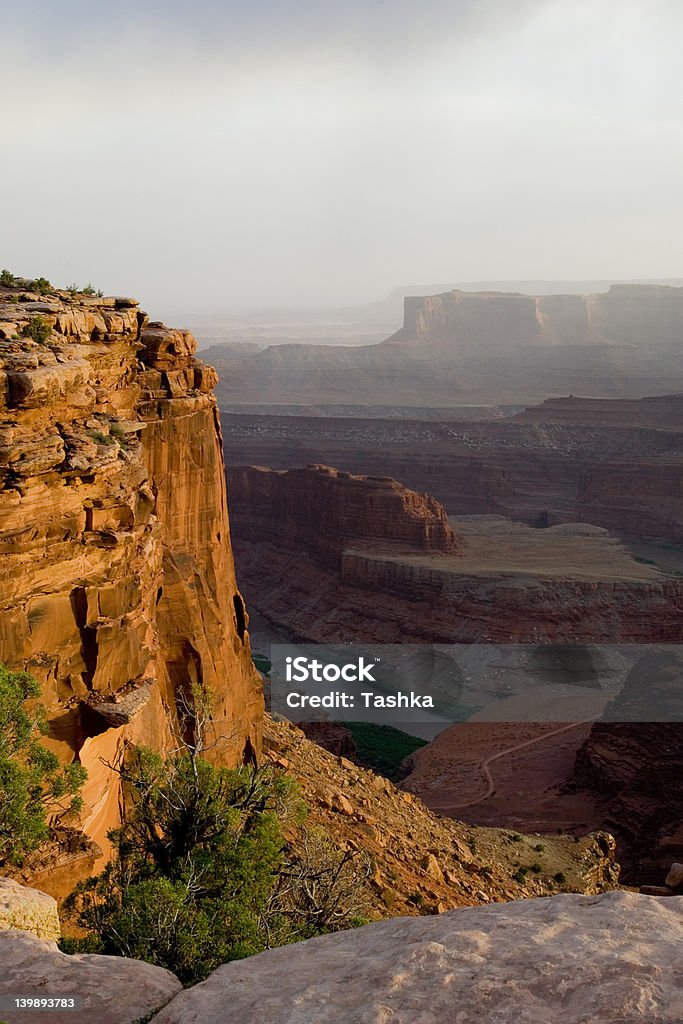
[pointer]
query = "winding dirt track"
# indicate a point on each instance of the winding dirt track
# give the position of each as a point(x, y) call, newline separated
point(447, 807)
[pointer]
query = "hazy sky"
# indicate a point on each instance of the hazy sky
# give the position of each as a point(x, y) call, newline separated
point(216, 155)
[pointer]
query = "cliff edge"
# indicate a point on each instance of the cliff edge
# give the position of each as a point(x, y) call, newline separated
point(117, 584)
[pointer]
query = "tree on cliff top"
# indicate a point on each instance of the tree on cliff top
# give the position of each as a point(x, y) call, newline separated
point(35, 790)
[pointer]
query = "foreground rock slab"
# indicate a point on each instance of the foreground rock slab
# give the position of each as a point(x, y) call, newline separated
point(609, 959)
point(110, 989)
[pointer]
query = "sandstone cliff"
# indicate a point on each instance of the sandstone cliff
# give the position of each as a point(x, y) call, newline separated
point(117, 586)
point(325, 511)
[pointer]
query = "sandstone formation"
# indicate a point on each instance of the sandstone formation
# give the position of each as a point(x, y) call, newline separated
point(107, 989)
point(612, 959)
point(326, 512)
point(482, 347)
point(29, 910)
point(117, 587)
point(333, 557)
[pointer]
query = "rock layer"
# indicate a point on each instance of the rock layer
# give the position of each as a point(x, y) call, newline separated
point(333, 557)
point(325, 512)
point(117, 587)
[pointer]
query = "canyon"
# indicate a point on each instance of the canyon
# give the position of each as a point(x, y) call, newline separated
point(464, 348)
point(500, 582)
point(616, 464)
point(117, 583)
point(373, 577)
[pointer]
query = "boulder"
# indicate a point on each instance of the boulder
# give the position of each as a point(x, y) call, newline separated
point(28, 909)
point(109, 989)
point(563, 960)
point(674, 879)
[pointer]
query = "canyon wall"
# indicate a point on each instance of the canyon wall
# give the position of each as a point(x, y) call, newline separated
point(324, 511)
point(615, 463)
point(117, 585)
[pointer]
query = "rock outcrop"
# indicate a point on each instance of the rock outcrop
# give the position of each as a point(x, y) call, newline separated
point(106, 989)
point(29, 910)
point(325, 512)
point(117, 587)
point(564, 960)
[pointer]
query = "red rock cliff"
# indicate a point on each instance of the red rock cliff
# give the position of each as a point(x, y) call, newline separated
point(324, 510)
point(117, 585)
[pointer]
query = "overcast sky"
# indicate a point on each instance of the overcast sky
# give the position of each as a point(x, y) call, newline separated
point(216, 155)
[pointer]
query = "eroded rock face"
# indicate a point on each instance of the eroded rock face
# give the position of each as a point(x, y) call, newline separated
point(109, 989)
point(563, 960)
point(117, 587)
point(325, 511)
point(28, 909)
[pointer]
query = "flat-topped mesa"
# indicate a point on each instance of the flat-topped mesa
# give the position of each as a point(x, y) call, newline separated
point(117, 584)
point(326, 511)
point(505, 321)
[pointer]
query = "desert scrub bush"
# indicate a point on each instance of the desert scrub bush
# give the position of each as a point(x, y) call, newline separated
point(36, 792)
point(560, 877)
point(88, 290)
point(200, 873)
point(38, 329)
point(41, 285)
point(101, 438)
point(118, 433)
point(6, 279)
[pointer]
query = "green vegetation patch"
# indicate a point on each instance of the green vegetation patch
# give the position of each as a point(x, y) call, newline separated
point(382, 747)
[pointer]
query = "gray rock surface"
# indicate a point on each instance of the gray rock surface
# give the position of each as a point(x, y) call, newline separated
point(29, 909)
point(609, 959)
point(111, 989)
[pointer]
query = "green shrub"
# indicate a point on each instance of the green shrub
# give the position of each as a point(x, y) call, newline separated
point(520, 876)
point(41, 285)
point(37, 328)
point(6, 279)
point(118, 433)
point(101, 438)
point(560, 877)
point(88, 290)
point(382, 747)
point(200, 873)
point(35, 791)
